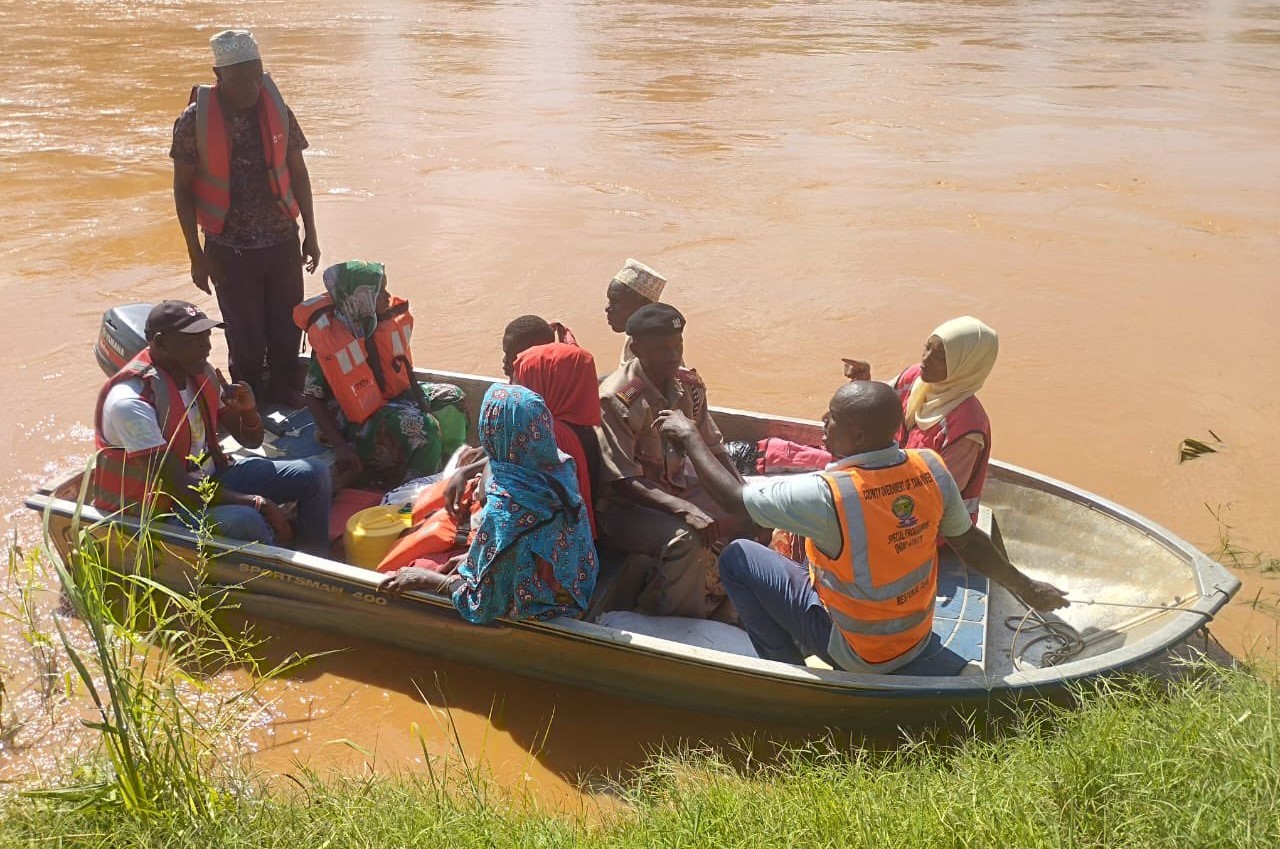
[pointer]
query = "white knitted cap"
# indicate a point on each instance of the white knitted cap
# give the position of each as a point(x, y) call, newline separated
point(641, 278)
point(233, 46)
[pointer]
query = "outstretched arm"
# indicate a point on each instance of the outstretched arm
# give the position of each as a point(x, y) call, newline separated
point(976, 549)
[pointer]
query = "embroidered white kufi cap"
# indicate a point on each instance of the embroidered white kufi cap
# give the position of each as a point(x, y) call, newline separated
point(641, 278)
point(233, 46)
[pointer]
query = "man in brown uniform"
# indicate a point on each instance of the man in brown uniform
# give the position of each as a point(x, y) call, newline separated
point(653, 504)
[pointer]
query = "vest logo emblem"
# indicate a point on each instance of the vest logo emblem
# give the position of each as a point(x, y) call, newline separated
point(904, 507)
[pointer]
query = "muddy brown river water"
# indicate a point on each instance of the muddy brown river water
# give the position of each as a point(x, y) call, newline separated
point(1098, 180)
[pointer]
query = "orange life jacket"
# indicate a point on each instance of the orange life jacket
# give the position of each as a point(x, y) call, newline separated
point(125, 482)
point(213, 174)
point(434, 531)
point(880, 589)
point(362, 377)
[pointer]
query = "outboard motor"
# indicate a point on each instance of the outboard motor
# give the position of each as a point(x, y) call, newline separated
point(122, 337)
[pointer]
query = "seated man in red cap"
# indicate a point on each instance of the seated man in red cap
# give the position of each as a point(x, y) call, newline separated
point(652, 502)
point(156, 431)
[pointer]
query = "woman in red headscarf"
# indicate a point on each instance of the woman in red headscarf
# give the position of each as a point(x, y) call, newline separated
point(565, 376)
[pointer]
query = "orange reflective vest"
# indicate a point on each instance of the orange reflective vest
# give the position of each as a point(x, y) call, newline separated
point(880, 590)
point(125, 482)
point(213, 173)
point(362, 377)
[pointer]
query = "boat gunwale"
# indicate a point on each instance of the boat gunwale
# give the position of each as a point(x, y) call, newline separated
point(1216, 585)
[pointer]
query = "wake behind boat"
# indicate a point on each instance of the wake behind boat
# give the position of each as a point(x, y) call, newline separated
point(1137, 590)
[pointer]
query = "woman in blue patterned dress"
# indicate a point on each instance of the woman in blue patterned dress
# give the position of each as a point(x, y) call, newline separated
point(532, 556)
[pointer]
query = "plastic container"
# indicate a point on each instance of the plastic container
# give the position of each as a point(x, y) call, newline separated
point(371, 532)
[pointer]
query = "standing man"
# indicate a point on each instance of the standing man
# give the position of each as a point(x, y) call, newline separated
point(652, 502)
point(873, 521)
point(635, 286)
point(238, 172)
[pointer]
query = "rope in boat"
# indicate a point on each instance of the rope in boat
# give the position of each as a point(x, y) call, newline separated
point(1071, 643)
point(1069, 639)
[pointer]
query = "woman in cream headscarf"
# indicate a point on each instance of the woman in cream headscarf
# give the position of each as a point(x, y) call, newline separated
point(940, 404)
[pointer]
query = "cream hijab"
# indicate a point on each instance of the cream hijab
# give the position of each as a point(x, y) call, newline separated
point(970, 347)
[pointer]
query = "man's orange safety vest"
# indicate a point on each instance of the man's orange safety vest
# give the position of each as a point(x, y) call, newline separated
point(213, 174)
point(880, 589)
point(362, 377)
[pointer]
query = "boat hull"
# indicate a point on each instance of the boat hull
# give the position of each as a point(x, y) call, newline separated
point(1053, 531)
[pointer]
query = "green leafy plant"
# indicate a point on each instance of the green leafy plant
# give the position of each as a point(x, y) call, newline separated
point(151, 648)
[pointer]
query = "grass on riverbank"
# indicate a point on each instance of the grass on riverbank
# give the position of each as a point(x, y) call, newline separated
point(1136, 765)
point(1133, 767)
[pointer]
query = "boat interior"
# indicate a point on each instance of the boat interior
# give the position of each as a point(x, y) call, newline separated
point(1126, 582)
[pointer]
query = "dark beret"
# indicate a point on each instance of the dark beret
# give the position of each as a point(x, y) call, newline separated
point(655, 320)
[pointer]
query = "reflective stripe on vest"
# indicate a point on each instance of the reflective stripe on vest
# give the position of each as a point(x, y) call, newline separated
point(346, 361)
point(885, 627)
point(212, 184)
point(880, 589)
point(351, 356)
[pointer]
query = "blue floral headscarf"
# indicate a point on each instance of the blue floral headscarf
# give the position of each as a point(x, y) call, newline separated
point(532, 557)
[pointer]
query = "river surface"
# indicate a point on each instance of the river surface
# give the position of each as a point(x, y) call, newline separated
point(1098, 180)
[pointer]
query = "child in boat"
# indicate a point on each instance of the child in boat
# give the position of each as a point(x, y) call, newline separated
point(941, 406)
point(564, 374)
point(521, 334)
point(527, 331)
point(532, 557)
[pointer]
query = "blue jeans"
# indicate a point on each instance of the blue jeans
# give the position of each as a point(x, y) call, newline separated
point(776, 602)
point(305, 482)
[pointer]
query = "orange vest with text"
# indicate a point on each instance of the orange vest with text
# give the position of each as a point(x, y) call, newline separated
point(880, 589)
point(213, 173)
point(362, 377)
point(128, 482)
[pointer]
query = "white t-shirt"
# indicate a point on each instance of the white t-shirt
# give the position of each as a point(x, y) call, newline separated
point(130, 423)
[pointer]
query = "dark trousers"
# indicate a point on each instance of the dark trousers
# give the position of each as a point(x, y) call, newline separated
point(259, 289)
point(776, 603)
point(304, 482)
